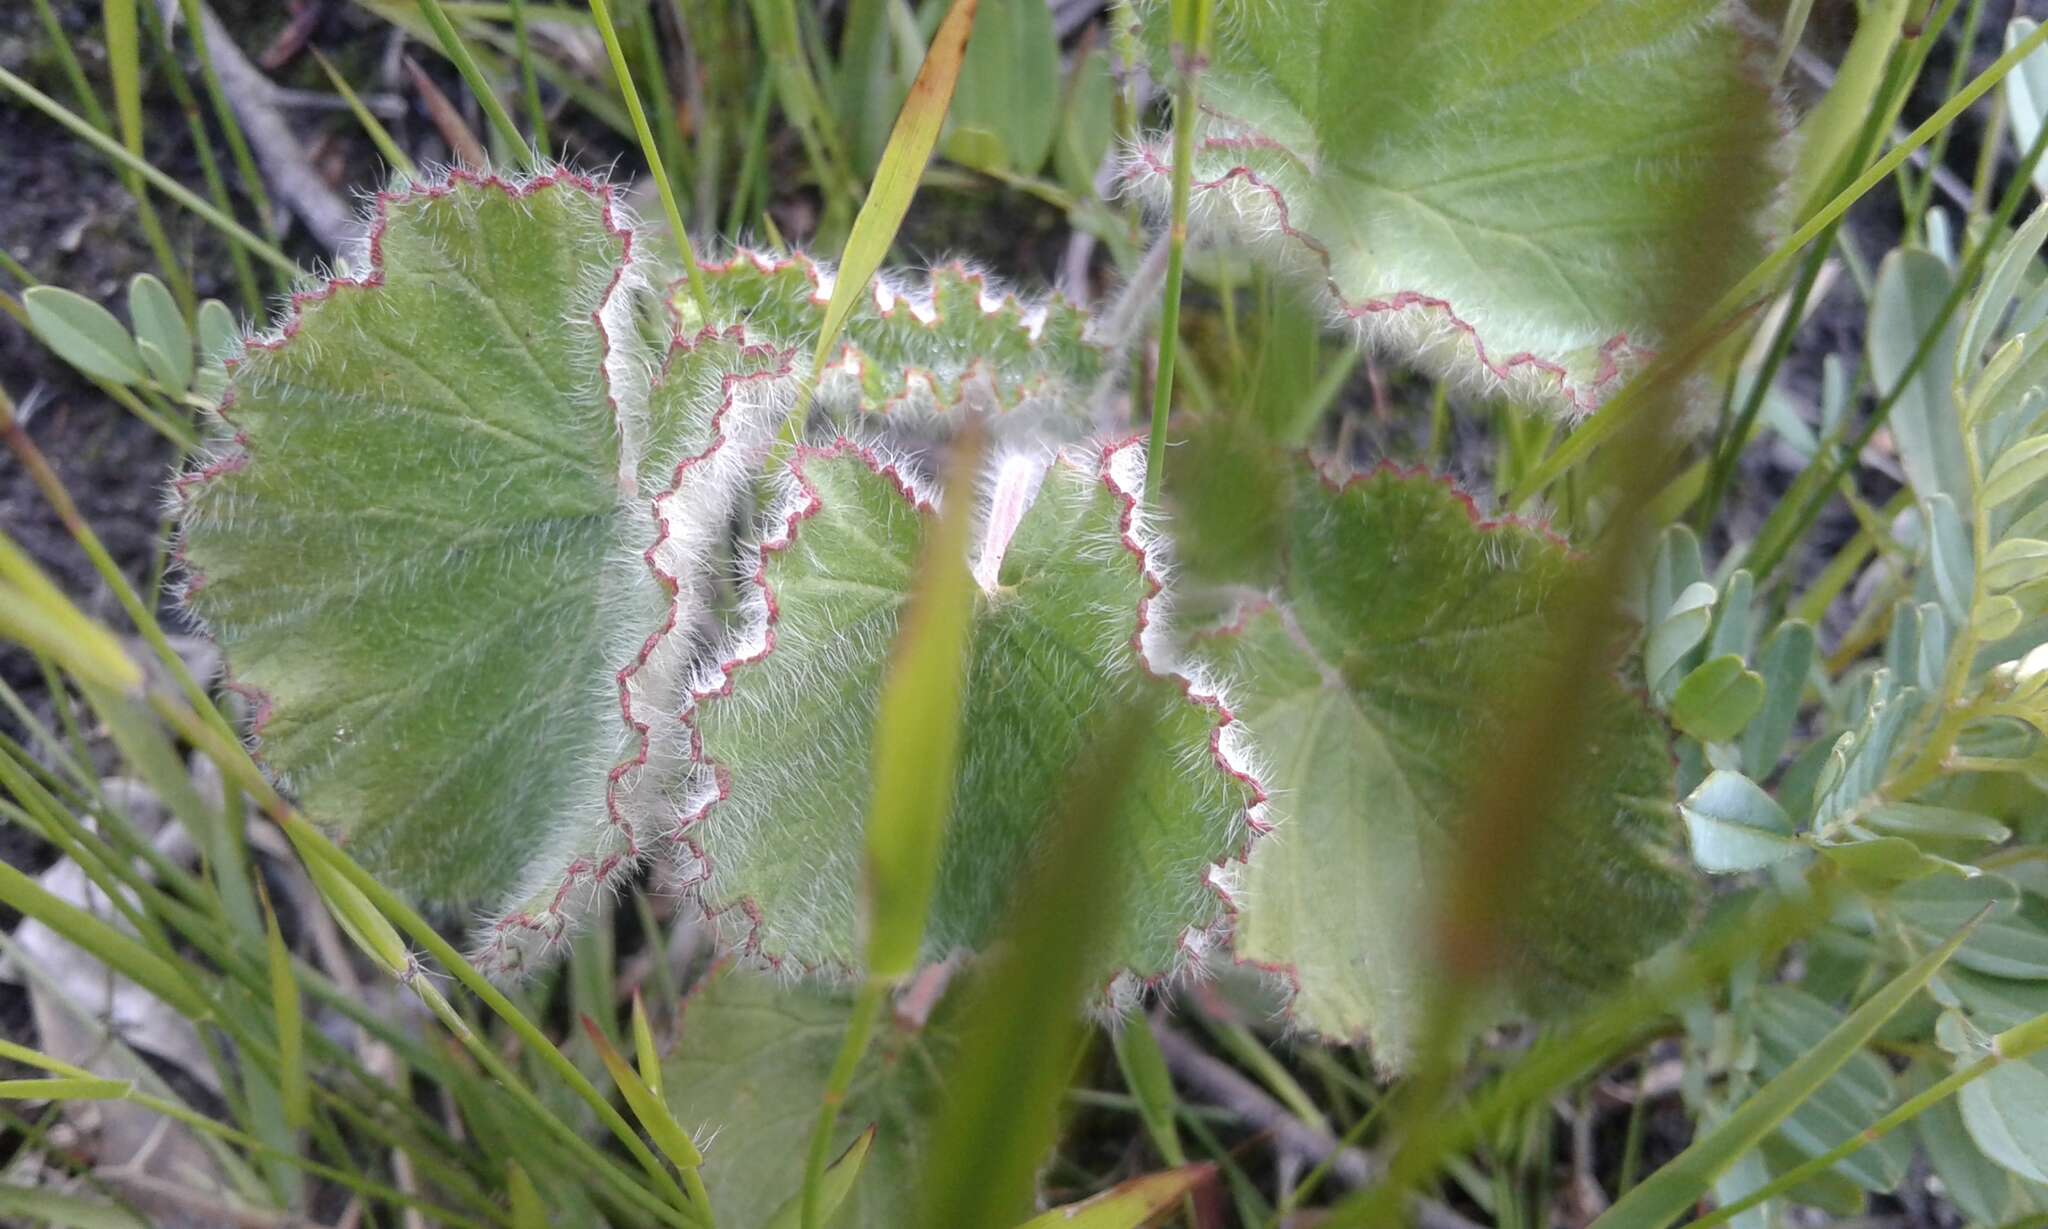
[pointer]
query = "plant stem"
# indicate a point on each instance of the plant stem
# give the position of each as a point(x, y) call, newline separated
point(452, 46)
point(1192, 20)
point(601, 10)
point(867, 1009)
point(536, 115)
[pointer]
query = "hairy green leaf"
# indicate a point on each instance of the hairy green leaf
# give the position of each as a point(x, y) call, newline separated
point(1495, 189)
point(1067, 621)
point(920, 352)
point(450, 537)
point(1372, 685)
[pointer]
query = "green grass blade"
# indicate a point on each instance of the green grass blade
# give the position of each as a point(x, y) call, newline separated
point(839, 1179)
point(896, 179)
point(1192, 23)
point(379, 136)
point(647, 1105)
point(529, 83)
point(1666, 1195)
point(251, 177)
point(124, 68)
point(917, 732)
point(651, 150)
point(32, 1205)
point(173, 73)
point(109, 946)
point(164, 183)
point(916, 745)
point(528, 1212)
point(803, 103)
point(288, 1012)
point(458, 54)
point(1145, 1074)
point(315, 848)
point(1023, 1029)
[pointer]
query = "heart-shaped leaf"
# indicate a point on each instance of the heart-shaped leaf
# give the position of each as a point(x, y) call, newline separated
point(1373, 683)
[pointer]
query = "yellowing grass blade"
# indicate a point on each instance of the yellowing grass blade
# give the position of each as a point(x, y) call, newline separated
point(1129, 1205)
point(896, 179)
point(667, 1134)
point(69, 1088)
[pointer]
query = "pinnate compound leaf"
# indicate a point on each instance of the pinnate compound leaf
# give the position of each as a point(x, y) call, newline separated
point(1067, 623)
point(84, 334)
point(433, 531)
point(1496, 188)
point(1373, 685)
point(1735, 825)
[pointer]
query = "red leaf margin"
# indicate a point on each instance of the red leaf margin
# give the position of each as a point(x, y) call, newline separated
point(1118, 467)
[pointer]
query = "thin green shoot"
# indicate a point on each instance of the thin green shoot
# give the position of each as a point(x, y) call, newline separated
point(458, 54)
point(1193, 24)
point(529, 83)
point(663, 181)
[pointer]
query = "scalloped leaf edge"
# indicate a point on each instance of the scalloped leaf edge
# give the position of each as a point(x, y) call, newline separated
point(922, 393)
point(1119, 467)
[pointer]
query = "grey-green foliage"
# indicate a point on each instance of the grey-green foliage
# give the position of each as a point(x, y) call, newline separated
point(1926, 760)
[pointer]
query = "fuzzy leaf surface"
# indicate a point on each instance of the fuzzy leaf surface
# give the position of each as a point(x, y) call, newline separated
point(919, 350)
point(1372, 685)
point(434, 546)
point(1069, 626)
point(1496, 188)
